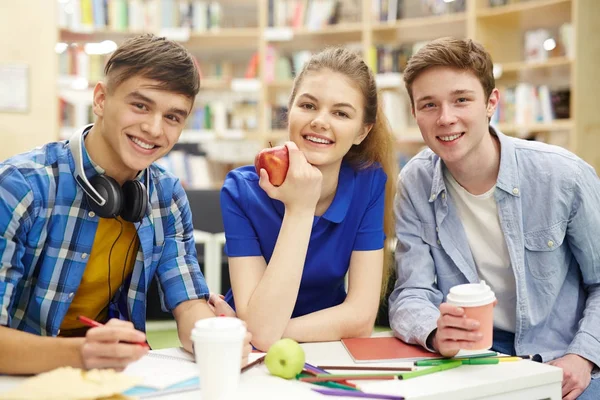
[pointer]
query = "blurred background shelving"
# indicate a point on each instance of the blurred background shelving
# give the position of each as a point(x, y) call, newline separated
point(249, 51)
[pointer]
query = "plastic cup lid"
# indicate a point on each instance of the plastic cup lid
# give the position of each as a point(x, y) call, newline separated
point(218, 328)
point(471, 295)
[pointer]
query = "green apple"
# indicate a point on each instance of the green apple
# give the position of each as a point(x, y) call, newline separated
point(285, 358)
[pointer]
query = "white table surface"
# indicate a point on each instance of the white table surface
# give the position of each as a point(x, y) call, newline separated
point(519, 380)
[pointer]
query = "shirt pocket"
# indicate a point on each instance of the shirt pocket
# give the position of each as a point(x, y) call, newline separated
point(544, 253)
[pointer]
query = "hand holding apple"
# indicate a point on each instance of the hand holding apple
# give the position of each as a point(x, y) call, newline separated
point(274, 160)
point(285, 358)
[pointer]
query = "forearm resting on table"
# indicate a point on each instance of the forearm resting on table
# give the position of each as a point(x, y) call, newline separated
point(272, 301)
point(186, 314)
point(26, 353)
point(335, 323)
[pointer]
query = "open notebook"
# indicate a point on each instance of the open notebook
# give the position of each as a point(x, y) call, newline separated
point(163, 371)
point(379, 349)
point(166, 371)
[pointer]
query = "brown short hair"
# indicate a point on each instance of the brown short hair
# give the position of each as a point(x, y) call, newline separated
point(462, 54)
point(154, 58)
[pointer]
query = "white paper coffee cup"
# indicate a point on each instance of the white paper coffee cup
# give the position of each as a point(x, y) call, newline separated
point(477, 299)
point(218, 345)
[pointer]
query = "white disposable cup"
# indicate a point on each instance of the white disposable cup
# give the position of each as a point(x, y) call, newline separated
point(218, 344)
point(477, 299)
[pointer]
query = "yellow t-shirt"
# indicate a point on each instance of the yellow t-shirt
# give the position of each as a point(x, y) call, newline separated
point(92, 296)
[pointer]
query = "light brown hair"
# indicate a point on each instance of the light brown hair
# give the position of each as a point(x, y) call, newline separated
point(155, 58)
point(464, 54)
point(378, 146)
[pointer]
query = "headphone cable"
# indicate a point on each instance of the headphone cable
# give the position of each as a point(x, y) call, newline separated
point(110, 256)
point(127, 254)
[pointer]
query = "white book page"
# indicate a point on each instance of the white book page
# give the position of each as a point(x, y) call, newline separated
point(161, 369)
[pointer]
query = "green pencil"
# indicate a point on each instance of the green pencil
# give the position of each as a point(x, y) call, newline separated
point(403, 375)
point(465, 361)
point(431, 370)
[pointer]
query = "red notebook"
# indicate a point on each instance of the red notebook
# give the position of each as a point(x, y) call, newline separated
point(385, 349)
point(378, 349)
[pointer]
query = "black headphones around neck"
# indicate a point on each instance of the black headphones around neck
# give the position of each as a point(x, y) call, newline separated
point(105, 196)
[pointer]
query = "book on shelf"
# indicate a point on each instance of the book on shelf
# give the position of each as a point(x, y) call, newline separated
point(139, 15)
point(75, 62)
point(311, 14)
point(392, 58)
point(526, 104)
point(393, 10)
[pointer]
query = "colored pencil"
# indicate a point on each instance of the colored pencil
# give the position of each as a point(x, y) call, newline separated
point(467, 361)
point(253, 363)
point(316, 371)
point(343, 378)
point(430, 370)
point(346, 393)
point(403, 376)
point(358, 368)
point(95, 324)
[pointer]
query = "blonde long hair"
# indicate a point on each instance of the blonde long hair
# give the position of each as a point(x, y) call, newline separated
point(378, 146)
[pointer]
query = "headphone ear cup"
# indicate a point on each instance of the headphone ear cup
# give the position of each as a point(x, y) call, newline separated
point(135, 200)
point(110, 190)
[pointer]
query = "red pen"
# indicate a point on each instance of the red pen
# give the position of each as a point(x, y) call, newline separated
point(95, 324)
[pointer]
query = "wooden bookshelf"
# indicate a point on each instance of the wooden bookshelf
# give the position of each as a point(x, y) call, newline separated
point(528, 8)
point(552, 63)
point(419, 29)
point(500, 29)
point(314, 39)
point(230, 39)
point(522, 130)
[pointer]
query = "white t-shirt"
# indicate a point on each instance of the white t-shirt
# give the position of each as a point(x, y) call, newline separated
point(479, 216)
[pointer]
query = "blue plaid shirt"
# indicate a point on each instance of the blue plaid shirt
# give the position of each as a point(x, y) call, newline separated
point(47, 231)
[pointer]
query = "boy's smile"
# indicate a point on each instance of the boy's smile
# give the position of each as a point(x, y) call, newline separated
point(453, 114)
point(138, 123)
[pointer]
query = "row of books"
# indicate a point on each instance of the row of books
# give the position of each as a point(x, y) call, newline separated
point(312, 14)
point(221, 116)
point(73, 115)
point(74, 61)
point(192, 168)
point(392, 58)
point(139, 15)
point(526, 104)
point(392, 10)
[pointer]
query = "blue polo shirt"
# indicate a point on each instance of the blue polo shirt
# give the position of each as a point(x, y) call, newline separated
point(353, 221)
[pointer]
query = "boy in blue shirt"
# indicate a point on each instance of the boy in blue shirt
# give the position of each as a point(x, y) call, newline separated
point(86, 224)
point(523, 216)
point(291, 246)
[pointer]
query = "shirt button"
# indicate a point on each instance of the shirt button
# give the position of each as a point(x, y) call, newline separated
point(438, 242)
point(443, 195)
point(84, 256)
point(515, 191)
point(71, 295)
point(437, 228)
point(432, 198)
point(550, 243)
point(91, 214)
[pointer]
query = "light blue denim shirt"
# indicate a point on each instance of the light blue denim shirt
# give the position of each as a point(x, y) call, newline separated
point(549, 209)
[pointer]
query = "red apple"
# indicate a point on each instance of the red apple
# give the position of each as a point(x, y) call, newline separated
point(275, 160)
